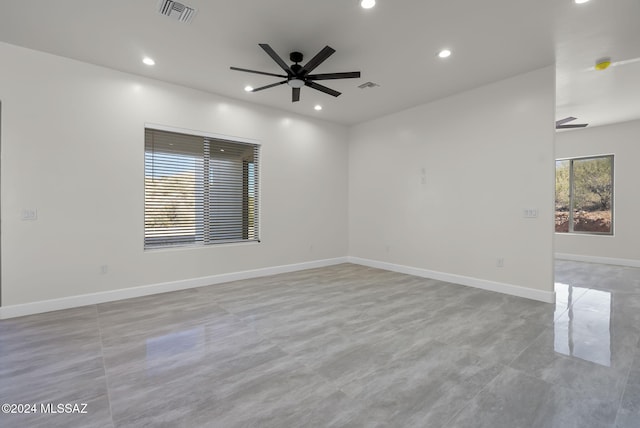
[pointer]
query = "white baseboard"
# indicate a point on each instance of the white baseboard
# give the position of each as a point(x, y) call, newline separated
point(42, 306)
point(514, 290)
point(13, 311)
point(602, 260)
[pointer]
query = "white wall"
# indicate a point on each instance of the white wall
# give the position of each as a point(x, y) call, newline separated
point(73, 145)
point(487, 154)
point(623, 141)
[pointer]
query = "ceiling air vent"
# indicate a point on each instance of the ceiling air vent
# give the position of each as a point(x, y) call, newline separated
point(177, 11)
point(368, 85)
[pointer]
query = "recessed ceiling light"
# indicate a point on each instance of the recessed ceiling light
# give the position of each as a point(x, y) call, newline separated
point(444, 53)
point(248, 88)
point(367, 4)
point(148, 61)
point(318, 107)
point(580, 1)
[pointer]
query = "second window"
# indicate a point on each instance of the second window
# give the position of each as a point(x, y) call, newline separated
point(584, 195)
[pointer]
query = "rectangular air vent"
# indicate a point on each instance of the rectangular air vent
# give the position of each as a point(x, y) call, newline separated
point(176, 10)
point(368, 85)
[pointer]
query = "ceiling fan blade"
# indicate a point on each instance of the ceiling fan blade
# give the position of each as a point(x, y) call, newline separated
point(295, 95)
point(328, 76)
point(269, 86)
point(565, 120)
point(578, 125)
point(322, 88)
point(624, 62)
point(325, 53)
point(258, 72)
point(275, 57)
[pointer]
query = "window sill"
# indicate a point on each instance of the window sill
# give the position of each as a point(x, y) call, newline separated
point(200, 246)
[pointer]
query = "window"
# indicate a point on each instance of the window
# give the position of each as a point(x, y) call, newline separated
point(584, 195)
point(198, 190)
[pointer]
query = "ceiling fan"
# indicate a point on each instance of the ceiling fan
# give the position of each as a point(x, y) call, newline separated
point(297, 75)
point(605, 62)
point(561, 124)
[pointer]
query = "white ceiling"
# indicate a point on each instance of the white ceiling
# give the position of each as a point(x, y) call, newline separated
point(394, 45)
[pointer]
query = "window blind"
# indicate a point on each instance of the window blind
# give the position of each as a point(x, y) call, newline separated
point(199, 190)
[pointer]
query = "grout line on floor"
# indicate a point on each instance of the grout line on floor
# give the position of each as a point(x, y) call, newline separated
point(626, 382)
point(468, 403)
point(104, 365)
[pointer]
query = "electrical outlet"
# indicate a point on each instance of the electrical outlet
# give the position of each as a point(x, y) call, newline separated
point(104, 269)
point(530, 213)
point(500, 262)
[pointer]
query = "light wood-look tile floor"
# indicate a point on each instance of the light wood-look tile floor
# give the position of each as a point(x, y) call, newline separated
point(342, 346)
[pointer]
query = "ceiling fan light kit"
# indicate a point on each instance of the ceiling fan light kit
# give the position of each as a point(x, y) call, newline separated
point(297, 75)
point(295, 83)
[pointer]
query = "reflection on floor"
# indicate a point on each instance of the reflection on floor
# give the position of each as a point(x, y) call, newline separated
point(583, 330)
point(340, 346)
